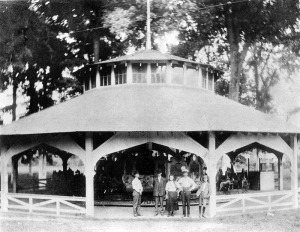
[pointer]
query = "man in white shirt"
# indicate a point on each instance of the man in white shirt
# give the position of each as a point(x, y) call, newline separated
point(186, 185)
point(137, 192)
point(159, 192)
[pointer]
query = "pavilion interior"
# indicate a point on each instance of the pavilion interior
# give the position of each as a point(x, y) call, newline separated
point(114, 172)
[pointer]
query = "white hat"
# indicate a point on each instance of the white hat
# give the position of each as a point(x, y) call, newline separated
point(184, 169)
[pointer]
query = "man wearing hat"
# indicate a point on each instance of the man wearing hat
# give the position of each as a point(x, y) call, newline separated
point(137, 193)
point(186, 185)
point(159, 186)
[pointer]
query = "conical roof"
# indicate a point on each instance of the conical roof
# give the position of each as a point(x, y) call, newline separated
point(153, 107)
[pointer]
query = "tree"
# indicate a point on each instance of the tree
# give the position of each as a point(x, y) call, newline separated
point(13, 49)
point(235, 27)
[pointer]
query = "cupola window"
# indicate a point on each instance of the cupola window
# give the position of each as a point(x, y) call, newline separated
point(120, 74)
point(192, 76)
point(139, 72)
point(177, 74)
point(158, 73)
point(105, 75)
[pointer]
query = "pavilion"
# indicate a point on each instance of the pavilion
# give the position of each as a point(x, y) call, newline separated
point(144, 104)
point(155, 99)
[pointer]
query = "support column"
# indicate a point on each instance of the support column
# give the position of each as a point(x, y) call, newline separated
point(15, 173)
point(212, 173)
point(213, 83)
point(184, 74)
point(207, 70)
point(89, 174)
point(42, 169)
point(4, 180)
point(30, 166)
point(97, 77)
point(129, 73)
point(280, 172)
point(65, 164)
point(148, 74)
point(200, 76)
point(295, 170)
point(90, 82)
point(169, 73)
point(113, 76)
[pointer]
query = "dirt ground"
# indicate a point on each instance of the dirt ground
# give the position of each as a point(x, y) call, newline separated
point(279, 221)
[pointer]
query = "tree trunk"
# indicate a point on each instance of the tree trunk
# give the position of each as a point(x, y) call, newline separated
point(14, 105)
point(237, 57)
point(233, 39)
point(96, 46)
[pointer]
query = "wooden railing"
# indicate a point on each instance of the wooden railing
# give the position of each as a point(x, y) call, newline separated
point(253, 202)
point(59, 205)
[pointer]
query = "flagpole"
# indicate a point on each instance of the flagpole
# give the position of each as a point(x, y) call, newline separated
point(148, 41)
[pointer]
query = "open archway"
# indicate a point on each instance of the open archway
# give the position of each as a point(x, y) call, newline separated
point(267, 151)
point(114, 171)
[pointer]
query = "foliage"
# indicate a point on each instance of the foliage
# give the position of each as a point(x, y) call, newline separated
point(234, 27)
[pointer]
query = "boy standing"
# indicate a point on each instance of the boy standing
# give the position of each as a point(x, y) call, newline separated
point(204, 194)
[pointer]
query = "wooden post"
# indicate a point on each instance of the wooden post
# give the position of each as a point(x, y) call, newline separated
point(213, 83)
point(148, 74)
point(206, 78)
point(42, 169)
point(113, 76)
point(30, 167)
point(212, 173)
point(90, 82)
point(129, 73)
point(15, 173)
point(65, 163)
point(280, 172)
point(89, 174)
point(200, 77)
point(248, 166)
point(97, 77)
point(184, 74)
point(169, 73)
point(295, 170)
point(4, 179)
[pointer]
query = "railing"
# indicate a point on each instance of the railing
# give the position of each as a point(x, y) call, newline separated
point(253, 202)
point(59, 205)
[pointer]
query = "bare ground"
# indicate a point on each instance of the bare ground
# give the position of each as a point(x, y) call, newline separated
point(281, 221)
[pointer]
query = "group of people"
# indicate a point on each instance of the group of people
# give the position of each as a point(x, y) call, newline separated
point(170, 190)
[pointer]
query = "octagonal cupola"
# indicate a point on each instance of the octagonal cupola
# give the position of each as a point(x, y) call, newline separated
point(150, 67)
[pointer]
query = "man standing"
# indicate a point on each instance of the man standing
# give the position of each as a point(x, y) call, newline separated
point(159, 192)
point(186, 185)
point(137, 192)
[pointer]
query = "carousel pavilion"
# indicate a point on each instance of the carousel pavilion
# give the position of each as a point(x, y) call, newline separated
point(146, 111)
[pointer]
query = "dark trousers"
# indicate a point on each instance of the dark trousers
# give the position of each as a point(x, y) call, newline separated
point(136, 202)
point(186, 197)
point(159, 199)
